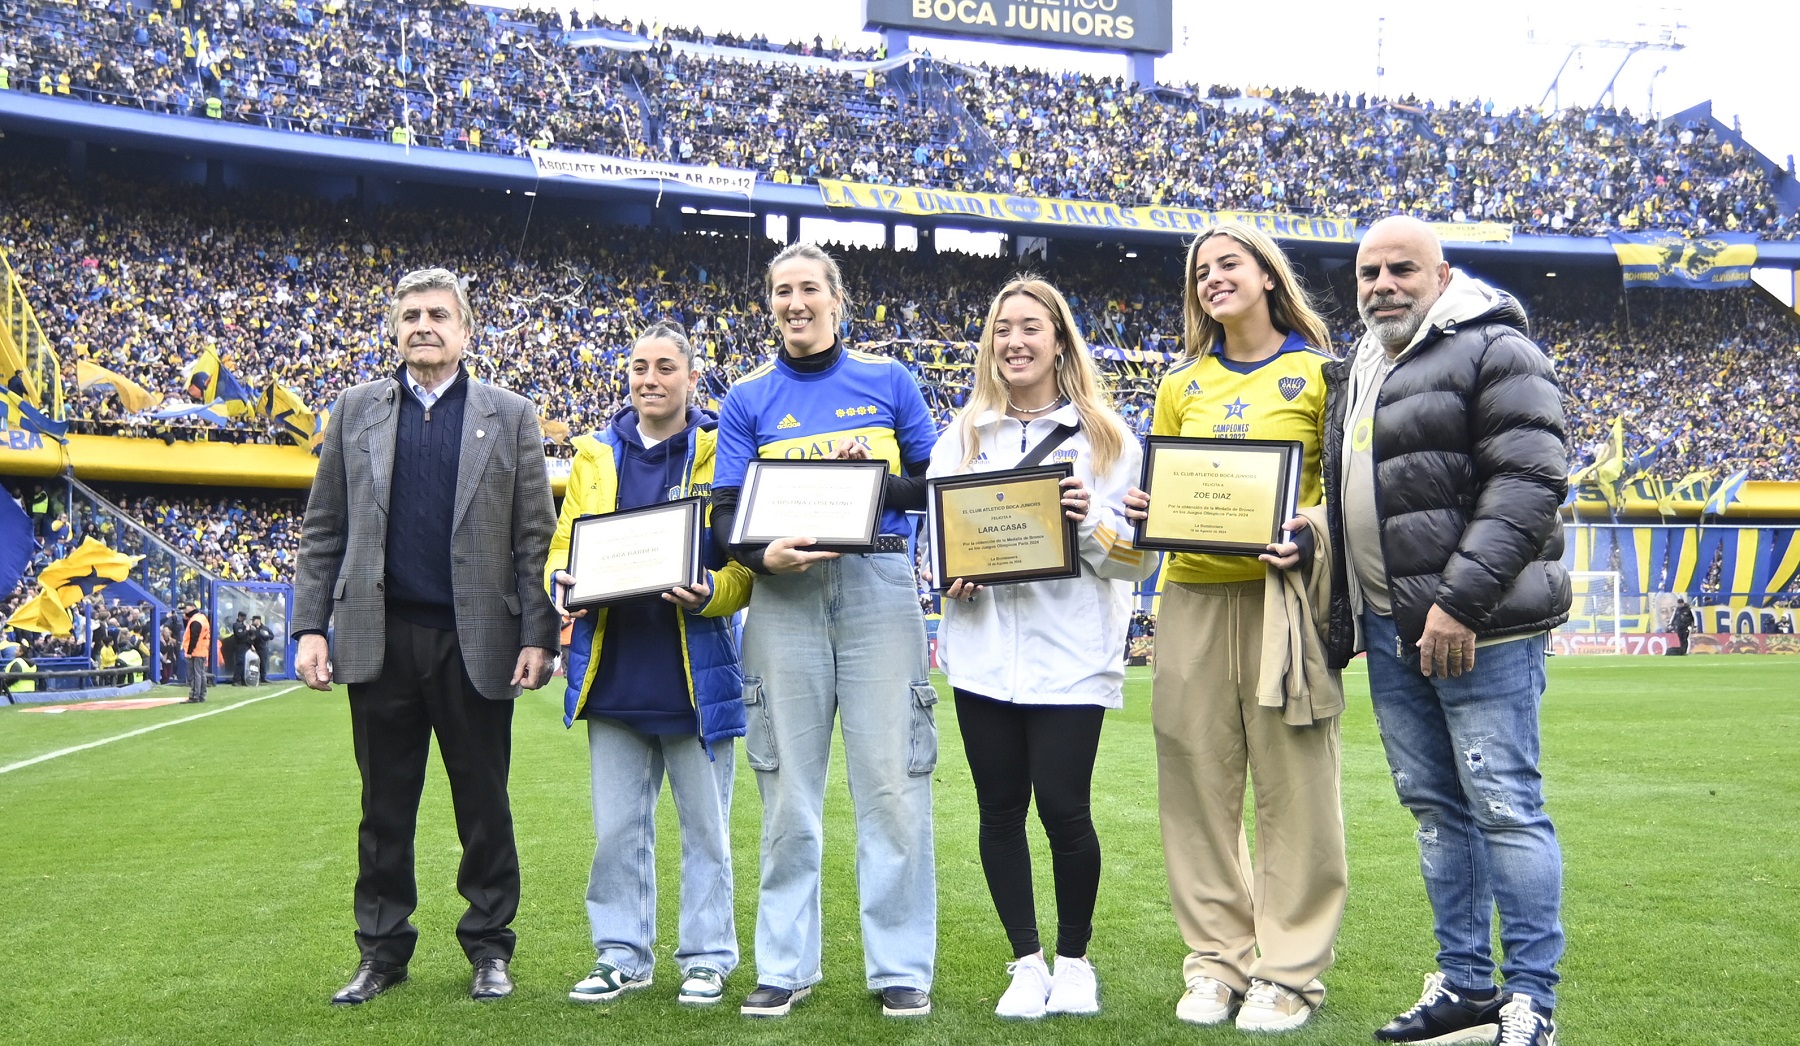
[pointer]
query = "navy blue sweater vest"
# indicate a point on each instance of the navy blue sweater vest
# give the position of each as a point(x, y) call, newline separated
point(422, 507)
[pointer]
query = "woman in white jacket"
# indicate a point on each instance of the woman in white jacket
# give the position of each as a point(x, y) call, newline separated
point(1035, 665)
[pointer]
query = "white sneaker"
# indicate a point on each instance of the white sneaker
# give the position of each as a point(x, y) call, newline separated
point(1207, 1001)
point(1270, 1007)
point(1030, 989)
point(1074, 989)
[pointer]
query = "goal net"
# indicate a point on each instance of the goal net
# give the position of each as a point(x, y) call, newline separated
point(1594, 625)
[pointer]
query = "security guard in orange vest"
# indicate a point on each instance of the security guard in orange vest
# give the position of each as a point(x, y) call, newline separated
point(196, 646)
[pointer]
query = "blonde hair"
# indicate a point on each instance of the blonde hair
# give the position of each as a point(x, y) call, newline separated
point(1290, 308)
point(1077, 380)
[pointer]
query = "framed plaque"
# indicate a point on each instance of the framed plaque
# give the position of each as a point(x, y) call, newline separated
point(621, 557)
point(994, 528)
point(837, 503)
point(1221, 496)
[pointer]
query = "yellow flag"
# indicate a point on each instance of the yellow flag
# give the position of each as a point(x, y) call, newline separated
point(93, 560)
point(288, 411)
point(43, 613)
point(132, 396)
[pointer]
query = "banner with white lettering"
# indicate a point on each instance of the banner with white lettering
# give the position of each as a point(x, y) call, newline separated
point(553, 163)
point(1106, 25)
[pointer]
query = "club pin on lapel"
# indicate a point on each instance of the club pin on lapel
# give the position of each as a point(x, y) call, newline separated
point(480, 433)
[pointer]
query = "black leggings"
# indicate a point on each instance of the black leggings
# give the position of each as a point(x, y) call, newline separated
point(1014, 750)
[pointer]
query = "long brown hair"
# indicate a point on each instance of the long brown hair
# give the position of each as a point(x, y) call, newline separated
point(1290, 308)
point(1077, 380)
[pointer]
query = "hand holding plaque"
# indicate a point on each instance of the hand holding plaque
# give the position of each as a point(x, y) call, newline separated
point(1219, 496)
point(994, 528)
point(835, 502)
point(621, 557)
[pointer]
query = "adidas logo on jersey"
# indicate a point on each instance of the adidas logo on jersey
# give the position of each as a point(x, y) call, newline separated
point(1193, 388)
point(788, 422)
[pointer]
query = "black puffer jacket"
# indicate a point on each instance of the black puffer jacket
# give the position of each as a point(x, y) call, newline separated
point(1470, 469)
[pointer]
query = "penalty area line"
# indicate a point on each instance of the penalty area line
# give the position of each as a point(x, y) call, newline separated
point(34, 760)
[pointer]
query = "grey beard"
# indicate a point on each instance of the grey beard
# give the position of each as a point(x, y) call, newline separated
point(1397, 332)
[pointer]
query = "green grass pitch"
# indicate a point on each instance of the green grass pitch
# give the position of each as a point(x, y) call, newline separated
point(191, 885)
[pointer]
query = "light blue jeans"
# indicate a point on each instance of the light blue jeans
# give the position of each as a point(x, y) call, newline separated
point(843, 639)
point(1464, 754)
point(627, 771)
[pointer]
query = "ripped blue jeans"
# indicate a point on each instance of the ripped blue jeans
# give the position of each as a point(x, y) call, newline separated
point(1464, 755)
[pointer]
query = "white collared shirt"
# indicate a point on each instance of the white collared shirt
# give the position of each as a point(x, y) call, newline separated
point(429, 397)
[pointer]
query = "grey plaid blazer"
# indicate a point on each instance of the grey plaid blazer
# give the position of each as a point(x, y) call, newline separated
point(498, 541)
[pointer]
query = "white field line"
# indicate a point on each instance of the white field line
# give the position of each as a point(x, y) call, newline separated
point(23, 763)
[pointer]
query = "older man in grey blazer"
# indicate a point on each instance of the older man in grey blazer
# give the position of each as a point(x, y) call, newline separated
point(423, 551)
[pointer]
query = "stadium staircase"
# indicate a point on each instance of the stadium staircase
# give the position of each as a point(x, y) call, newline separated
point(926, 83)
point(24, 351)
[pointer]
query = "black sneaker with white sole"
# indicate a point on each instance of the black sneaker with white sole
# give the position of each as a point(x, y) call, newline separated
point(1523, 1024)
point(1443, 1017)
point(770, 1001)
point(905, 1002)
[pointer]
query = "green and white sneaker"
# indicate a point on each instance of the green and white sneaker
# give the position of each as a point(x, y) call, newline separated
point(703, 986)
point(605, 984)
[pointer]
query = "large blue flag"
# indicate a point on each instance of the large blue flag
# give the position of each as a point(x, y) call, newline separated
point(16, 544)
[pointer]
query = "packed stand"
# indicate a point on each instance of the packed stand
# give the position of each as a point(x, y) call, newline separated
point(455, 76)
point(1716, 376)
point(237, 537)
point(292, 290)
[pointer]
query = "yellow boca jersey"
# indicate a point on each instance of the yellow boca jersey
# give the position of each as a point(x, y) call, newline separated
point(1282, 398)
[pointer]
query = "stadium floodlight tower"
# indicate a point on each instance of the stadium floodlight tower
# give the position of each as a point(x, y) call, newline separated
point(1141, 29)
point(1660, 34)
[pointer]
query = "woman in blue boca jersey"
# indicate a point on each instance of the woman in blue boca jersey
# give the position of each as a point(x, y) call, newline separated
point(659, 685)
point(833, 637)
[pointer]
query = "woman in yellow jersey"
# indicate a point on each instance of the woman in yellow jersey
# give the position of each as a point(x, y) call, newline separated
point(1259, 933)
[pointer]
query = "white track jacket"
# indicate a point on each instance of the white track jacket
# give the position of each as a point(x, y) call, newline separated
point(1048, 642)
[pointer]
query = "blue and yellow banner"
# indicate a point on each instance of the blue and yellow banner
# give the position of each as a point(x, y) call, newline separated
point(1181, 221)
point(1176, 221)
point(1667, 259)
point(1755, 564)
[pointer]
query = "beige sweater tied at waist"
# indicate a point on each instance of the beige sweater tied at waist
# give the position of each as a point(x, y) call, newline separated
point(1296, 612)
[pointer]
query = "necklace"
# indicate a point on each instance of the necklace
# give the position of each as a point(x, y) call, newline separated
point(1034, 410)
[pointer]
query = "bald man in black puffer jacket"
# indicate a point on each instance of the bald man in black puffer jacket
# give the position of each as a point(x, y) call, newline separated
point(1444, 467)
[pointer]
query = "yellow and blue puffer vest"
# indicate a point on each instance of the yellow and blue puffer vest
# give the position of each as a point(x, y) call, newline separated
point(715, 676)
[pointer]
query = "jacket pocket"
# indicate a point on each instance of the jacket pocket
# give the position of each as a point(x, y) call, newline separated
point(923, 754)
point(759, 734)
point(512, 604)
point(337, 590)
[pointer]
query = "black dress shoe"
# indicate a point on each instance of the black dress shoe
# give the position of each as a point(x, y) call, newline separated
point(372, 978)
point(491, 980)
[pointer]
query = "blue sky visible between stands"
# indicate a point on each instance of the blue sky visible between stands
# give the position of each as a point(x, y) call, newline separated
point(1739, 54)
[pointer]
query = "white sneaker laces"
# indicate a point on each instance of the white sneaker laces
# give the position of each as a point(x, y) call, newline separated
point(1262, 993)
point(1434, 990)
point(1519, 1022)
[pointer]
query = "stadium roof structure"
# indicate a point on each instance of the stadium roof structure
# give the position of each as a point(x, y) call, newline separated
point(117, 127)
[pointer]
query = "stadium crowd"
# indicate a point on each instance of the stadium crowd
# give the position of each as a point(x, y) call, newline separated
point(449, 75)
point(291, 290)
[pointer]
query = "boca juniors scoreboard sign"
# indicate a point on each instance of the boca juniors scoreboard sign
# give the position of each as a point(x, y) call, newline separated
point(1104, 25)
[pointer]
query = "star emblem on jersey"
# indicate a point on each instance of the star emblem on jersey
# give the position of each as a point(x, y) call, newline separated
point(1290, 387)
point(788, 422)
point(1235, 409)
